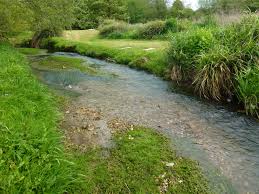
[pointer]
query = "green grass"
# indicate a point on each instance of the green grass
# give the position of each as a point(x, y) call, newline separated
point(20, 38)
point(31, 51)
point(137, 165)
point(31, 152)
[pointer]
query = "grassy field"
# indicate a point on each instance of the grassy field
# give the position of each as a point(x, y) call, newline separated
point(33, 158)
point(91, 36)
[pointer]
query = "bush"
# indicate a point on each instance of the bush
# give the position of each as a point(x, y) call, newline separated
point(171, 25)
point(248, 89)
point(152, 30)
point(184, 25)
point(185, 49)
point(113, 29)
point(207, 21)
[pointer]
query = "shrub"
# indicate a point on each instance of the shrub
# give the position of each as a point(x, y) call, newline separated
point(207, 21)
point(185, 49)
point(248, 89)
point(113, 29)
point(152, 30)
point(171, 25)
point(184, 25)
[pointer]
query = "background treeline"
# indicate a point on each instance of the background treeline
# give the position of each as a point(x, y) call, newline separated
point(90, 13)
point(48, 17)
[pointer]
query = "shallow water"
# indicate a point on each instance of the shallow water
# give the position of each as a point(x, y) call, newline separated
point(225, 143)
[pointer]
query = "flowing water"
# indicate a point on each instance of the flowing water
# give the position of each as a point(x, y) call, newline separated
point(225, 143)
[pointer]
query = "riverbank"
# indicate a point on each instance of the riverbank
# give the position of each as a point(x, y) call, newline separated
point(145, 55)
point(34, 158)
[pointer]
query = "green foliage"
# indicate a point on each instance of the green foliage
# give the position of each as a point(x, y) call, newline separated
point(13, 17)
point(32, 156)
point(186, 47)
point(113, 29)
point(44, 17)
point(232, 57)
point(146, 10)
point(230, 5)
point(136, 165)
point(214, 78)
point(248, 89)
point(49, 18)
point(90, 13)
point(179, 11)
point(238, 49)
point(208, 21)
point(121, 30)
point(177, 8)
point(242, 39)
point(152, 30)
point(171, 25)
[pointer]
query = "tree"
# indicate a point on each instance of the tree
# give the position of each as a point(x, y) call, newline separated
point(49, 17)
point(146, 10)
point(177, 9)
point(230, 5)
point(160, 8)
point(14, 17)
point(89, 13)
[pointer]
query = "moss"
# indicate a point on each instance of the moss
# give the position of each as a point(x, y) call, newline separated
point(65, 63)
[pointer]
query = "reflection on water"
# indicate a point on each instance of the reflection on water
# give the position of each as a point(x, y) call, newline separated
point(225, 143)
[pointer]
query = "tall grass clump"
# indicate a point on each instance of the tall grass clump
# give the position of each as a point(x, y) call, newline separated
point(214, 77)
point(32, 157)
point(237, 49)
point(248, 89)
point(185, 47)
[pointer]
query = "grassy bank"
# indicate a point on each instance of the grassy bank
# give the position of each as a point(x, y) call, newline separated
point(32, 156)
point(146, 55)
point(33, 159)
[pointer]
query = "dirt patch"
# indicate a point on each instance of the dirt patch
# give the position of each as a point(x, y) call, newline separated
point(87, 127)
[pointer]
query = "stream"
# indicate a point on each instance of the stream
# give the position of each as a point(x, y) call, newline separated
point(225, 143)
